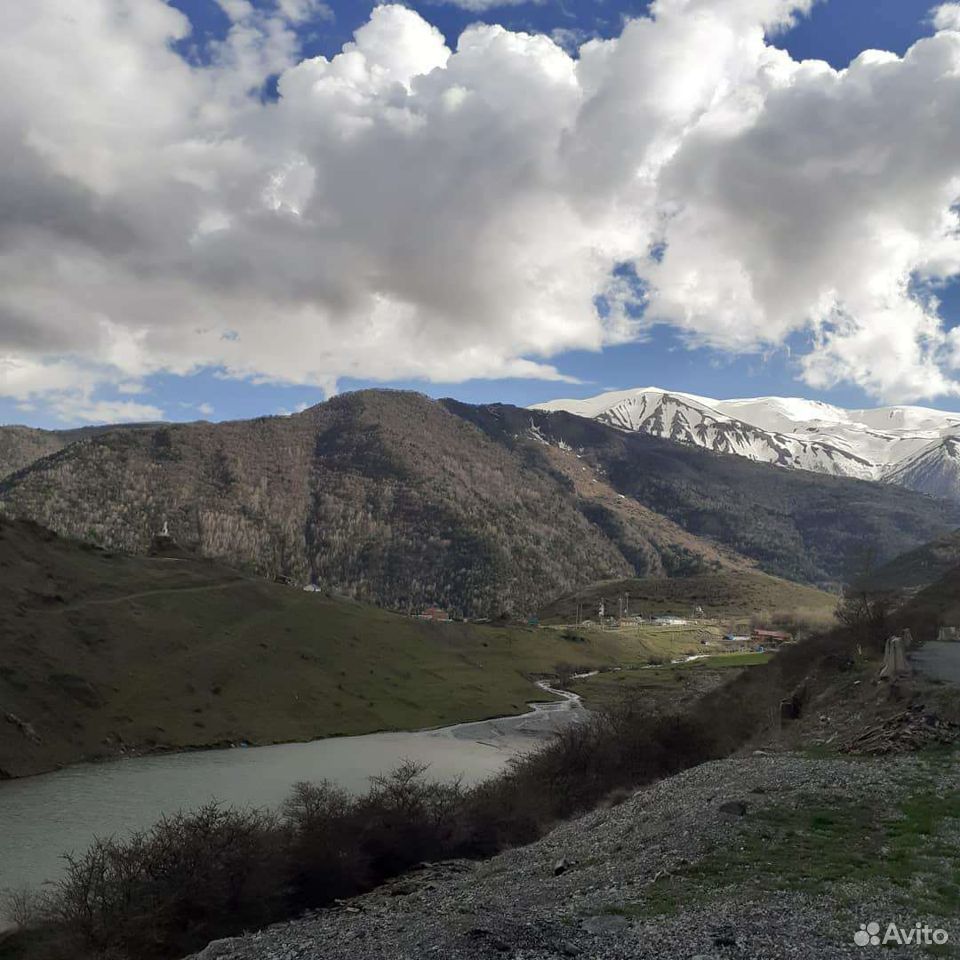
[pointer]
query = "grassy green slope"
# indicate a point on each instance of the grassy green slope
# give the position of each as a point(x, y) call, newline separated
point(665, 687)
point(726, 594)
point(99, 650)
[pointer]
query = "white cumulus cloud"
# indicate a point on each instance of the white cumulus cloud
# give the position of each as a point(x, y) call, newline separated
point(406, 210)
point(481, 6)
point(947, 16)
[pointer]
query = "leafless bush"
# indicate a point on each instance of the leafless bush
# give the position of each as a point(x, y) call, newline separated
point(325, 860)
point(867, 612)
point(22, 907)
point(799, 623)
point(190, 878)
point(407, 819)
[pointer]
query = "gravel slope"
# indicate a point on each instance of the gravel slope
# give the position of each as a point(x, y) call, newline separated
point(742, 858)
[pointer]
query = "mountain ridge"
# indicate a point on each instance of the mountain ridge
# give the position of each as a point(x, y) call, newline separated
point(21, 445)
point(796, 524)
point(914, 447)
point(345, 494)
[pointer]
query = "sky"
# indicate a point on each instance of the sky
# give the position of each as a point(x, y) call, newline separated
point(228, 208)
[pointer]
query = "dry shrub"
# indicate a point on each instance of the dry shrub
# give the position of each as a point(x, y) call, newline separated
point(323, 843)
point(22, 907)
point(407, 819)
point(189, 879)
point(801, 622)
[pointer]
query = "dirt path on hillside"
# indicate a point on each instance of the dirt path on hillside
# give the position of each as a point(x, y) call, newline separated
point(152, 593)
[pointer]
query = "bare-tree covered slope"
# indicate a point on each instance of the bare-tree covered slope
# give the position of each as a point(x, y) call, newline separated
point(796, 524)
point(934, 606)
point(21, 446)
point(403, 501)
point(386, 496)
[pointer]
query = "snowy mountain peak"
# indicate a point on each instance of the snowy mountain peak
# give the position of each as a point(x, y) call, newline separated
point(917, 447)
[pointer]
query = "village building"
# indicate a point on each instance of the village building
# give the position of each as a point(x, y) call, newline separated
point(434, 613)
point(771, 638)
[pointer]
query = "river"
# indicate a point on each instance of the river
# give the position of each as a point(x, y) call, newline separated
point(42, 817)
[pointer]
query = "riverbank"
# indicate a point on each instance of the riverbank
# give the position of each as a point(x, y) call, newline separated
point(776, 857)
point(50, 814)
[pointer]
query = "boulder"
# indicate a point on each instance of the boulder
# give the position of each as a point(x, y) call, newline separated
point(894, 659)
point(220, 949)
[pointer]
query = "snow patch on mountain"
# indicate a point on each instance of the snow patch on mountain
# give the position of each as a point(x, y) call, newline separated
point(934, 470)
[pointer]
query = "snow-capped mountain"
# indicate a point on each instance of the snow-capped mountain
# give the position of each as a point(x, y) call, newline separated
point(935, 469)
point(915, 447)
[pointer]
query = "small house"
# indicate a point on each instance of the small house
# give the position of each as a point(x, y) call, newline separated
point(434, 613)
point(771, 638)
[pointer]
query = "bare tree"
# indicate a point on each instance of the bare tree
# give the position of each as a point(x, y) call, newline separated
point(866, 602)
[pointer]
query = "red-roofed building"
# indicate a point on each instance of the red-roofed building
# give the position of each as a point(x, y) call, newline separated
point(434, 613)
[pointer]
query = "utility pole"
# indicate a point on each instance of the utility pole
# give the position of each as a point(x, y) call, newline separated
point(628, 606)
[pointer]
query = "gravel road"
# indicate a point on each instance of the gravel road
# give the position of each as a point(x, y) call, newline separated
point(940, 661)
point(632, 880)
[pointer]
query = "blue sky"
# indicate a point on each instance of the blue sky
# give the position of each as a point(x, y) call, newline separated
point(836, 31)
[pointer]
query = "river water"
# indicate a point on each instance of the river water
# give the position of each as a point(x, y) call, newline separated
point(42, 817)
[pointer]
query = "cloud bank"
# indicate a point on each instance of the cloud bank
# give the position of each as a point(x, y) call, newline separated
point(408, 211)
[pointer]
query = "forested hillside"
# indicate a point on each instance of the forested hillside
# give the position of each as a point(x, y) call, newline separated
point(918, 568)
point(21, 446)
